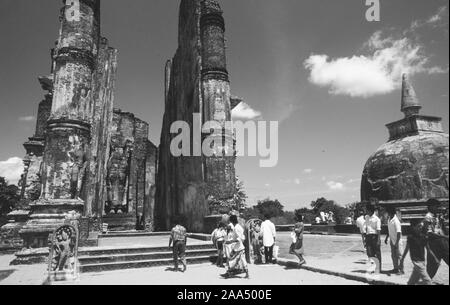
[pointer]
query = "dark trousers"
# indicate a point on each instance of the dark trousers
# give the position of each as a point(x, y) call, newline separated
point(219, 253)
point(179, 253)
point(373, 247)
point(268, 253)
point(439, 246)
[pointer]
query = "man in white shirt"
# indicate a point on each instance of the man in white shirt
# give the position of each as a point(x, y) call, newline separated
point(269, 235)
point(361, 224)
point(395, 235)
point(373, 236)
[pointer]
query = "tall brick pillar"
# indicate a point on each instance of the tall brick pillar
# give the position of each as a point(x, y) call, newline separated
point(66, 156)
point(219, 169)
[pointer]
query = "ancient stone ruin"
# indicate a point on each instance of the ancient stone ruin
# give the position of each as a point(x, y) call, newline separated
point(197, 82)
point(86, 158)
point(92, 163)
point(412, 167)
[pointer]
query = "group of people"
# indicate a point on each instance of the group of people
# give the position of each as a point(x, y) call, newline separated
point(427, 236)
point(325, 218)
point(229, 239)
point(263, 239)
point(427, 243)
point(232, 245)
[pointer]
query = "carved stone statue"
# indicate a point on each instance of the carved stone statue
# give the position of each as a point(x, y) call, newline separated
point(118, 175)
point(64, 250)
point(78, 164)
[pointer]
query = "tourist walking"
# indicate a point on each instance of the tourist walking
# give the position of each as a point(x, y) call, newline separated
point(256, 242)
point(218, 239)
point(416, 244)
point(361, 224)
point(395, 237)
point(437, 239)
point(297, 240)
point(269, 235)
point(373, 236)
point(178, 237)
point(235, 250)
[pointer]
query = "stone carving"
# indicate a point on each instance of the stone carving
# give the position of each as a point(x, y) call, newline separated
point(118, 177)
point(64, 250)
point(78, 163)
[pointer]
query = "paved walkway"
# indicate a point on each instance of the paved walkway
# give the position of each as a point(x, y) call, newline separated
point(20, 275)
point(345, 255)
point(207, 274)
point(335, 255)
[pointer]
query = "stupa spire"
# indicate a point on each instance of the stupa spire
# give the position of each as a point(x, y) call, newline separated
point(410, 102)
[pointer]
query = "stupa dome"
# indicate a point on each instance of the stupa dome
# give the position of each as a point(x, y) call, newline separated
point(413, 164)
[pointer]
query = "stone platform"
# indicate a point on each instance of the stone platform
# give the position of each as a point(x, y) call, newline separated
point(126, 250)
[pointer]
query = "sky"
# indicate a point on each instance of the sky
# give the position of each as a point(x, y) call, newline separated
point(319, 68)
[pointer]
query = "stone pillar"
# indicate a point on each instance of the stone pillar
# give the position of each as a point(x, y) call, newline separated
point(66, 156)
point(219, 170)
point(101, 125)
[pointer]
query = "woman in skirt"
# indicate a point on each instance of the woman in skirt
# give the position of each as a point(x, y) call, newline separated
point(297, 240)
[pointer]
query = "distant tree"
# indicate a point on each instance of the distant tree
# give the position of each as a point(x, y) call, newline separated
point(240, 196)
point(251, 213)
point(324, 205)
point(288, 218)
point(269, 207)
point(9, 197)
point(308, 215)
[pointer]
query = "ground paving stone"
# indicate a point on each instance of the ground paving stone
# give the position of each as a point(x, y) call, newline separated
point(345, 254)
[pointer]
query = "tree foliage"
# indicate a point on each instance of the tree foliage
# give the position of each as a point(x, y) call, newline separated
point(236, 203)
point(270, 208)
point(324, 205)
point(9, 197)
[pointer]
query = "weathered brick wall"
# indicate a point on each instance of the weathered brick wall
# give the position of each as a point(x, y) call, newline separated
point(196, 82)
point(101, 120)
point(128, 169)
point(181, 189)
point(43, 115)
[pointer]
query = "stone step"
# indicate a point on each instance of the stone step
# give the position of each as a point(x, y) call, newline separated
point(141, 264)
point(100, 259)
point(136, 250)
point(114, 234)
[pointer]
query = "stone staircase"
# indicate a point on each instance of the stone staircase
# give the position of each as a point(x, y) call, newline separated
point(128, 250)
point(104, 259)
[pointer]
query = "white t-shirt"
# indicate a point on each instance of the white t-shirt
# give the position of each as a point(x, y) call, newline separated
point(373, 224)
point(394, 227)
point(269, 233)
point(361, 224)
point(240, 236)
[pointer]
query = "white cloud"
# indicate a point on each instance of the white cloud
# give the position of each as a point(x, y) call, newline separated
point(26, 118)
point(351, 181)
point(335, 186)
point(440, 18)
point(243, 111)
point(11, 169)
point(307, 171)
point(379, 68)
